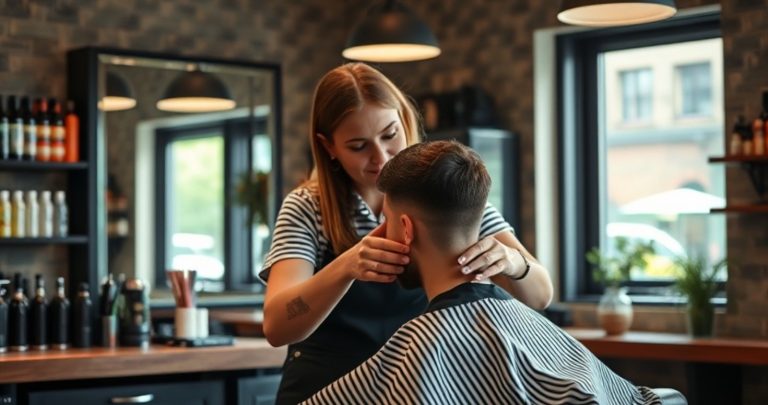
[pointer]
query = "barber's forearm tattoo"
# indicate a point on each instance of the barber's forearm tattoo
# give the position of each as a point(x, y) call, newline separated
point(297, 307)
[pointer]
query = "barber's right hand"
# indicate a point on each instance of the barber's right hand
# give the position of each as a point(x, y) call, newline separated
point(376, 258)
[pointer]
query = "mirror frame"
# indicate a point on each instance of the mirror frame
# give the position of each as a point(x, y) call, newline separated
point(83, 66)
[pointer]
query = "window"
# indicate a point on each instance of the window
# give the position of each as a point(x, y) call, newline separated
point(203, 225)
point(649, 183)
point(695, 87)
point(636, 94)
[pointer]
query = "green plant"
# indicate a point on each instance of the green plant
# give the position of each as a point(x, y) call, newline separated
point(614, 270)
point(252, 191)
point(696, 280)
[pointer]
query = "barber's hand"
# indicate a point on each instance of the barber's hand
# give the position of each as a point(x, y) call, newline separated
point(487, 258)
point(376, 258)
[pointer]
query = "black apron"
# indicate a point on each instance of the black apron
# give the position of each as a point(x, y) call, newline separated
point(367, 315)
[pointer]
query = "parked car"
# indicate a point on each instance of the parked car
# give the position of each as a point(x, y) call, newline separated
point(193, 251)
point(666, 247)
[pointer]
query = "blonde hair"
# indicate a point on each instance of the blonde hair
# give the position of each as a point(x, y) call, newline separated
point(341, 91)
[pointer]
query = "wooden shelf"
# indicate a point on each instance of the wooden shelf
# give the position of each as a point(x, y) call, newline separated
point(741, 209)
point(673, 347)
point(739, 159)
point(99, 362)
point(69, 240)
point(755, 166)
point(41, 166)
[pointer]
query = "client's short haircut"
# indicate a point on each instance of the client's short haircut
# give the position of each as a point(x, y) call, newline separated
point(445, 181)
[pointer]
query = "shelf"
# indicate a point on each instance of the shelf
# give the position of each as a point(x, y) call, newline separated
point(755, 166)
point(739, 159)
point(69, 240)
point(41, 166)
point(741, 209)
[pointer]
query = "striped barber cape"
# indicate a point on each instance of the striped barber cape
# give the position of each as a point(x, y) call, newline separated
point(478, 345)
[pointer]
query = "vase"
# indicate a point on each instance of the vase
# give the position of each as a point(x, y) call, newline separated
point(614, 312)
point(700, 319)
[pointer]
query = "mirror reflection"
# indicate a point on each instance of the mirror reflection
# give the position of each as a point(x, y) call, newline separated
point(190, 168)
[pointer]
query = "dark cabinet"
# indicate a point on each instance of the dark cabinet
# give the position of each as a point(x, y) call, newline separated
point(259, 390)
point(187, 393)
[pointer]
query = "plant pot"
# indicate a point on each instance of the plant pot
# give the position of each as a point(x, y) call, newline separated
point(700, 319)
point(614, 313)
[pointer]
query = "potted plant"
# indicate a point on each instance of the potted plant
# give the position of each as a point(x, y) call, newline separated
point(252, 191)
point(614, 311)
point(697, 281)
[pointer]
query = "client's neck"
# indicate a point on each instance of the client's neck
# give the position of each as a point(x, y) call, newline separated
point(439, 267)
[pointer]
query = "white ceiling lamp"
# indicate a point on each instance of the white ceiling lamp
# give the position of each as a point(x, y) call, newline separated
point(606, 13)
point(195, 92)
point(391, 32)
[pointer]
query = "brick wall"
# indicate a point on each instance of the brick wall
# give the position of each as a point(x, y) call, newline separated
point(487, 43)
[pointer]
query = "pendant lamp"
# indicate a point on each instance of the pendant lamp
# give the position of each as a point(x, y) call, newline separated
point(607, 13)
point(391, 32)
point(118, 95)
point(196, 91)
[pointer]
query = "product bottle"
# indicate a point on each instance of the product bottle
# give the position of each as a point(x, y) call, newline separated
point(46, 214)
point(5, 214)
point(58, 318)
point(30, 130)
point(18, 311)
point(5, 135)
point(60, 216)
point(33, 215)
point(3, 318)
point(40, 111)
point(81, 318)
point(15, 129)
point(735, 147)
point(18, 215)
point(72, 134)
point(38, 311)
point(58, 134)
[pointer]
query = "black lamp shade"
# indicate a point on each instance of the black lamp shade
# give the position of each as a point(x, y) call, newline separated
point(391, 32)
point(607, 13)
point(196, 91)
point(118, 95)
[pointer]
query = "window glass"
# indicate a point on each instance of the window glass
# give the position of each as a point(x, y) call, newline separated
point(195, 208)
point(261, 237)
point(695, 87)
point(636, 94)
point(655, 180)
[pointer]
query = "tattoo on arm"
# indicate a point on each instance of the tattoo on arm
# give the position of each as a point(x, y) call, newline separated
point(296, 307)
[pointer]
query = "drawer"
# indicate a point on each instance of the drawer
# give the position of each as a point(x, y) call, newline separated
point(187, 393)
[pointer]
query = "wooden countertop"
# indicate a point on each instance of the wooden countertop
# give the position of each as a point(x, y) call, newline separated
point(73, 364)
point(673, 347)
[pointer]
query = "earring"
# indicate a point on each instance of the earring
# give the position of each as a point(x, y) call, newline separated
point(335, 165)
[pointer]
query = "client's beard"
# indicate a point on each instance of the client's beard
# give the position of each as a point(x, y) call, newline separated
point(410, 279)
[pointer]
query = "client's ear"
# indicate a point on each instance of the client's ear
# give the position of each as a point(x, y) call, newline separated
point(407, 224)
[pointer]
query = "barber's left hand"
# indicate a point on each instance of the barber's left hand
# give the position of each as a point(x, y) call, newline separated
point(487, 258)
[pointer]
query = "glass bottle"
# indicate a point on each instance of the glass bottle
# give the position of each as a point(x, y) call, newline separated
point(33, 215)
point(60, 215)
point(58, 318)
point(46, 214)
point(18, 312)
point(38, 312)
point(5, 214)
point(18, 215)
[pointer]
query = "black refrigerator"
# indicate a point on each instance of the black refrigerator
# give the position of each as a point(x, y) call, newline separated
point(499, 150)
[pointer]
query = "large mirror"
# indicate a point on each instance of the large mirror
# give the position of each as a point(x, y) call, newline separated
point(191, 167)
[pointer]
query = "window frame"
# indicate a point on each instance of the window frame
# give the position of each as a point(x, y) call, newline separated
point(238, 134)
point(578, 144)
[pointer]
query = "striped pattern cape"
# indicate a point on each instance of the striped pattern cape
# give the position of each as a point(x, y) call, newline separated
point(493, 350)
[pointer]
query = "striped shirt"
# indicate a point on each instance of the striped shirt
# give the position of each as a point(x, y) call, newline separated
point(299, 232)
point(476, 344)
